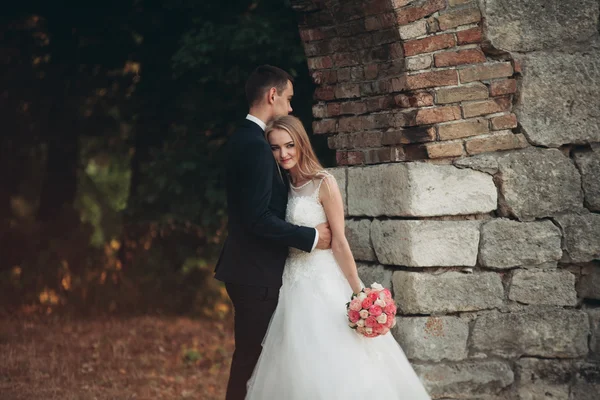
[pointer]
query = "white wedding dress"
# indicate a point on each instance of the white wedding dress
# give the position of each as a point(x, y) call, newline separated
point(309, 351)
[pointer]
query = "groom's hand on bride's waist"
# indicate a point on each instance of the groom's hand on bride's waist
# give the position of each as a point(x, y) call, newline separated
point(324, 236)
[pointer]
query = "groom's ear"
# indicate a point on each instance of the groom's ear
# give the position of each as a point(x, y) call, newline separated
point(271, 95)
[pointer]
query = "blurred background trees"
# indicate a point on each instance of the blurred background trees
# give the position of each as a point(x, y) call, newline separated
point(114, 115)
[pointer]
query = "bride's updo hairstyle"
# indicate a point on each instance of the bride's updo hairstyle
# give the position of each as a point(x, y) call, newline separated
point(309, 166)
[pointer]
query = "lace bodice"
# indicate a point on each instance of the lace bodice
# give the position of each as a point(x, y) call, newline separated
point(305, 209)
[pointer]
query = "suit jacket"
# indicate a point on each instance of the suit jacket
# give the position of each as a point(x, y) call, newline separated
point(258, 235)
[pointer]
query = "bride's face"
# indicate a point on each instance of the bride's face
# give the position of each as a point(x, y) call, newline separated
point(283, 148)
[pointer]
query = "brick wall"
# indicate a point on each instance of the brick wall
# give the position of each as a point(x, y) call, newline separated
point(404, 80)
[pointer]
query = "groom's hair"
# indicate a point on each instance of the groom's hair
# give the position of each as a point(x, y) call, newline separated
point(264, 78)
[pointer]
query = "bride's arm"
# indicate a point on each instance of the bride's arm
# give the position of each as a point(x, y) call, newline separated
point(331, 199)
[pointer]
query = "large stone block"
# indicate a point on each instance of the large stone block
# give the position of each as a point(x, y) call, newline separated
point(419, 190)
point(433, 338)
point(553, 333)
point(588, 164)
point(589, 284)
point(581, 236)
point(426, 243)
point(519, 26)
point(375, 273)
point(572, 78)
point(466, 379)
point(543, 287)
point(544, 379)
point(422, 293)
point(506, 243)
point(594, 314)
point(587, 382)
point(358, 234)
point(340, 175)
point(538, 183)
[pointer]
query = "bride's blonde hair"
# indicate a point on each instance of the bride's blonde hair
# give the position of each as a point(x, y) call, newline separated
point(309, 166)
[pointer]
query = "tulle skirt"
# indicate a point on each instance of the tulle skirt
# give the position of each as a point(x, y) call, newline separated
point(310, 353)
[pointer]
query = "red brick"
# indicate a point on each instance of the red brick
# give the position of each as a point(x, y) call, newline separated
point(379, 103)
point(320, 62)
point(333, 109)
point(309, 35)
point(508, 121)
point(473, 35)
point(324, 77)
point(324, 93)
point(413, 13)
point(420, 99)
point(462, 129)
point(410, 135)
point(518, 66)
point(499, 104)
point(324, 126)
point(431, 79)
point(347, 90)
point(365, 140)
point(459, 17)
point(364, 122)
point(355, 140)
point(506, 86)
point(319, 111)
point(435, 115)
point(349, 157)
point(456, 94)
point(400, 3)
point(496, 142)
point(371, 71)
point(376, 7)
point(458, 2)
point(428, 44)
point(444, 149)
point(452, 58)
point(345, 59)
point(354, 107)
point(379, 22)
point(485, 72)
point(384, 155)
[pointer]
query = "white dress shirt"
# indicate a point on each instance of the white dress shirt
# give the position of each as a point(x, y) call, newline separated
point(263, 126)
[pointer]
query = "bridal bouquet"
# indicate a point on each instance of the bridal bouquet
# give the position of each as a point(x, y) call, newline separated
point(372, 312)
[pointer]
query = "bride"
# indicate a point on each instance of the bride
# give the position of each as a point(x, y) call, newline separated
point(309, 352)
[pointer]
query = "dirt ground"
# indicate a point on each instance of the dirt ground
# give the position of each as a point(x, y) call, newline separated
point(150, 357)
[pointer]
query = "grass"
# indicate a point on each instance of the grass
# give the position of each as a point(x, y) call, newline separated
point(150, 357)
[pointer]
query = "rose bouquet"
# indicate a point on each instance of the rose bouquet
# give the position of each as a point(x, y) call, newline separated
point(372, 312)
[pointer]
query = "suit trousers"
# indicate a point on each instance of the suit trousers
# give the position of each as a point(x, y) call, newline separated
point(253, 308)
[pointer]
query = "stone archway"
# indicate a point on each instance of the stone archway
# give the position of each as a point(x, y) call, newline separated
point(467, 138)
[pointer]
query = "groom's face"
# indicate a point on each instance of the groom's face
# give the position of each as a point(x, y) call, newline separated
point(282, 105)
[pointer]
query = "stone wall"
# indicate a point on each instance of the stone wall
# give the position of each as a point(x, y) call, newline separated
point(467, 138)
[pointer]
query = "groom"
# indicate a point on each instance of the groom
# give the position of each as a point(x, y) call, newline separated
point(252, 260)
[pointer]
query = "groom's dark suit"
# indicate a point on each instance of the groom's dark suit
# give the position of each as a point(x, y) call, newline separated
point(252, 260)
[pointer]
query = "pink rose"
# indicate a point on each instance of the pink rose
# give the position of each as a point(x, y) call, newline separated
point(390, 309)
point(353, 316)
point(373, 296)
point(355, 304)
point(387, 293)
point(364, 314)
point(366, 303)
point(375, 311)
point(380, 329)
point(391, 321)
point(370, 322)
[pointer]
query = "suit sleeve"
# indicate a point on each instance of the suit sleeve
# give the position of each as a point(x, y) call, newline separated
point(256, 169)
